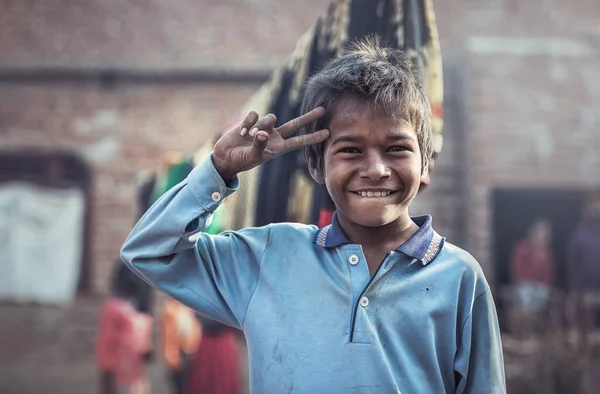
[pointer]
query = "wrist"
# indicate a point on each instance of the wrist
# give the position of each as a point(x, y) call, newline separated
point(221, 166)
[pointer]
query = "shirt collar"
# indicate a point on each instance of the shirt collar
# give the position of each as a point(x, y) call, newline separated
point(424, 245)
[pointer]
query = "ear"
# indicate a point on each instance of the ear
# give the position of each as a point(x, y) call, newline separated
point(314, 168)
point(425, 178)
point(425, 173)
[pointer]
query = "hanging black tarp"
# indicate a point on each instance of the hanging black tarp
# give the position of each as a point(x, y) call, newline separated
point(406, 24)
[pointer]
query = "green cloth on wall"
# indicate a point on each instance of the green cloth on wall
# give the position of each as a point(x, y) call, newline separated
point(176, 173)
point(216, 225)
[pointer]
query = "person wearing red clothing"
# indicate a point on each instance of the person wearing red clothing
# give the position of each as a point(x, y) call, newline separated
point(216, 368)
point(532, 267)
point(124, 337)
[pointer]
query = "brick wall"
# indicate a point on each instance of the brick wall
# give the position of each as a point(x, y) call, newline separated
point(538, 127)
point(521, 110)
point(153, 34)
point(522, 80)
point(118, 132)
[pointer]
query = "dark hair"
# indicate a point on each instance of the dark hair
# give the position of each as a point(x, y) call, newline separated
point(385, 77)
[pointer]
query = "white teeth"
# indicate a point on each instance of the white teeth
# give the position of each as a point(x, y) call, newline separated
point(374, 194)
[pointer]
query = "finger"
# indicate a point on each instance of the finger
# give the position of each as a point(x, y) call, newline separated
point(248, 122)
point(266, 123)
point(305, 139)
point(296, 124)
point(259, 142)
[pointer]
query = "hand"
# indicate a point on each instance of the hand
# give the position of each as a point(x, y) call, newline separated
point(256, 141)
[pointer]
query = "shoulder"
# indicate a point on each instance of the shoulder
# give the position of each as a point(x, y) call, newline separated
point(278, 230)
point(281, 234)
point(467, 268)
point(459, 257)
point(292, 232)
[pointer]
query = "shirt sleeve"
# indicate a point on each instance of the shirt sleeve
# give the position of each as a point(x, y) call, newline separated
point(215, 275)
point(479, 363)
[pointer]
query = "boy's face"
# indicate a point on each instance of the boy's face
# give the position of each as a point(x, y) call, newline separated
point(371, 165)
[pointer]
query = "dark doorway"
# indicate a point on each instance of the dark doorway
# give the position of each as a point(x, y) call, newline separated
point(515, 210)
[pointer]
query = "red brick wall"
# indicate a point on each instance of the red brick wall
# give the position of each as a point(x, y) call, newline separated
point(536, 127)
point(118, 132)
point(518, 113)
point(153, 34)
point(528, 72)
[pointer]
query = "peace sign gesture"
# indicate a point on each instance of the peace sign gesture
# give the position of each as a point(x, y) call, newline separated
point(256, 141)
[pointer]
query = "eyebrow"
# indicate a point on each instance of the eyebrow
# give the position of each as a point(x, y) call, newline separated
point(346, 138)
point(401, 137)
point(353, 139)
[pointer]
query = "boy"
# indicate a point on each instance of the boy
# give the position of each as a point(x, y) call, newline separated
point(375, 303)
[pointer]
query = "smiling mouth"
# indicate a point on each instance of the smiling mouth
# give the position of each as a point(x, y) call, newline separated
point(377, 193)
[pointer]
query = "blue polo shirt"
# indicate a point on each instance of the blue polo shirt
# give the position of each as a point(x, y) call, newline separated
point(315, 321)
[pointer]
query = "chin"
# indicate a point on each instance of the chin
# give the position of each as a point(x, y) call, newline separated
point(367, 219)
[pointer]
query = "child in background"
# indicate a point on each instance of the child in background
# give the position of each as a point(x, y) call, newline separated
point(124, 337)
point(216, 368)
point(181, 334)
point(532, 267)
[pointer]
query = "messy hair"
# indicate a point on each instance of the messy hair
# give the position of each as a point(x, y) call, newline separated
point(383, 77)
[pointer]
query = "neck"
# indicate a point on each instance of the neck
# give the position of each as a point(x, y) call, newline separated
point(387, 237)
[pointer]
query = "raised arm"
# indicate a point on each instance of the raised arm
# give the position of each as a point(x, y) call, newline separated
point(215, 275)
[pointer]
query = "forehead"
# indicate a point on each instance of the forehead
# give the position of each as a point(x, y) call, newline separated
point(353, 114)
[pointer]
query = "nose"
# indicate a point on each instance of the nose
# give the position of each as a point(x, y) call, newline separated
point(374, 168)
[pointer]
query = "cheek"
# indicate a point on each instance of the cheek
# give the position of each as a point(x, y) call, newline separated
point(336, 177)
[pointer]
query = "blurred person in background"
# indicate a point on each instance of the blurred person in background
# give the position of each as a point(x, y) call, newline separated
point(124, 338)
point(143, 299)
point(181, 334)
point(532, 267)
point(216, 367)
point(584, 263)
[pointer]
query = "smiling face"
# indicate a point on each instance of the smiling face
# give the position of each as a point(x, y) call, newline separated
point(371, 165)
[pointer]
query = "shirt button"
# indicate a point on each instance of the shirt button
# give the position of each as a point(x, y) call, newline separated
point(216, 196)
point(364, 302)
point(353, 259)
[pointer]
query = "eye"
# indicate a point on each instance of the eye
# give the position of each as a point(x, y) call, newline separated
point(398, 148)
point(349, 150)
